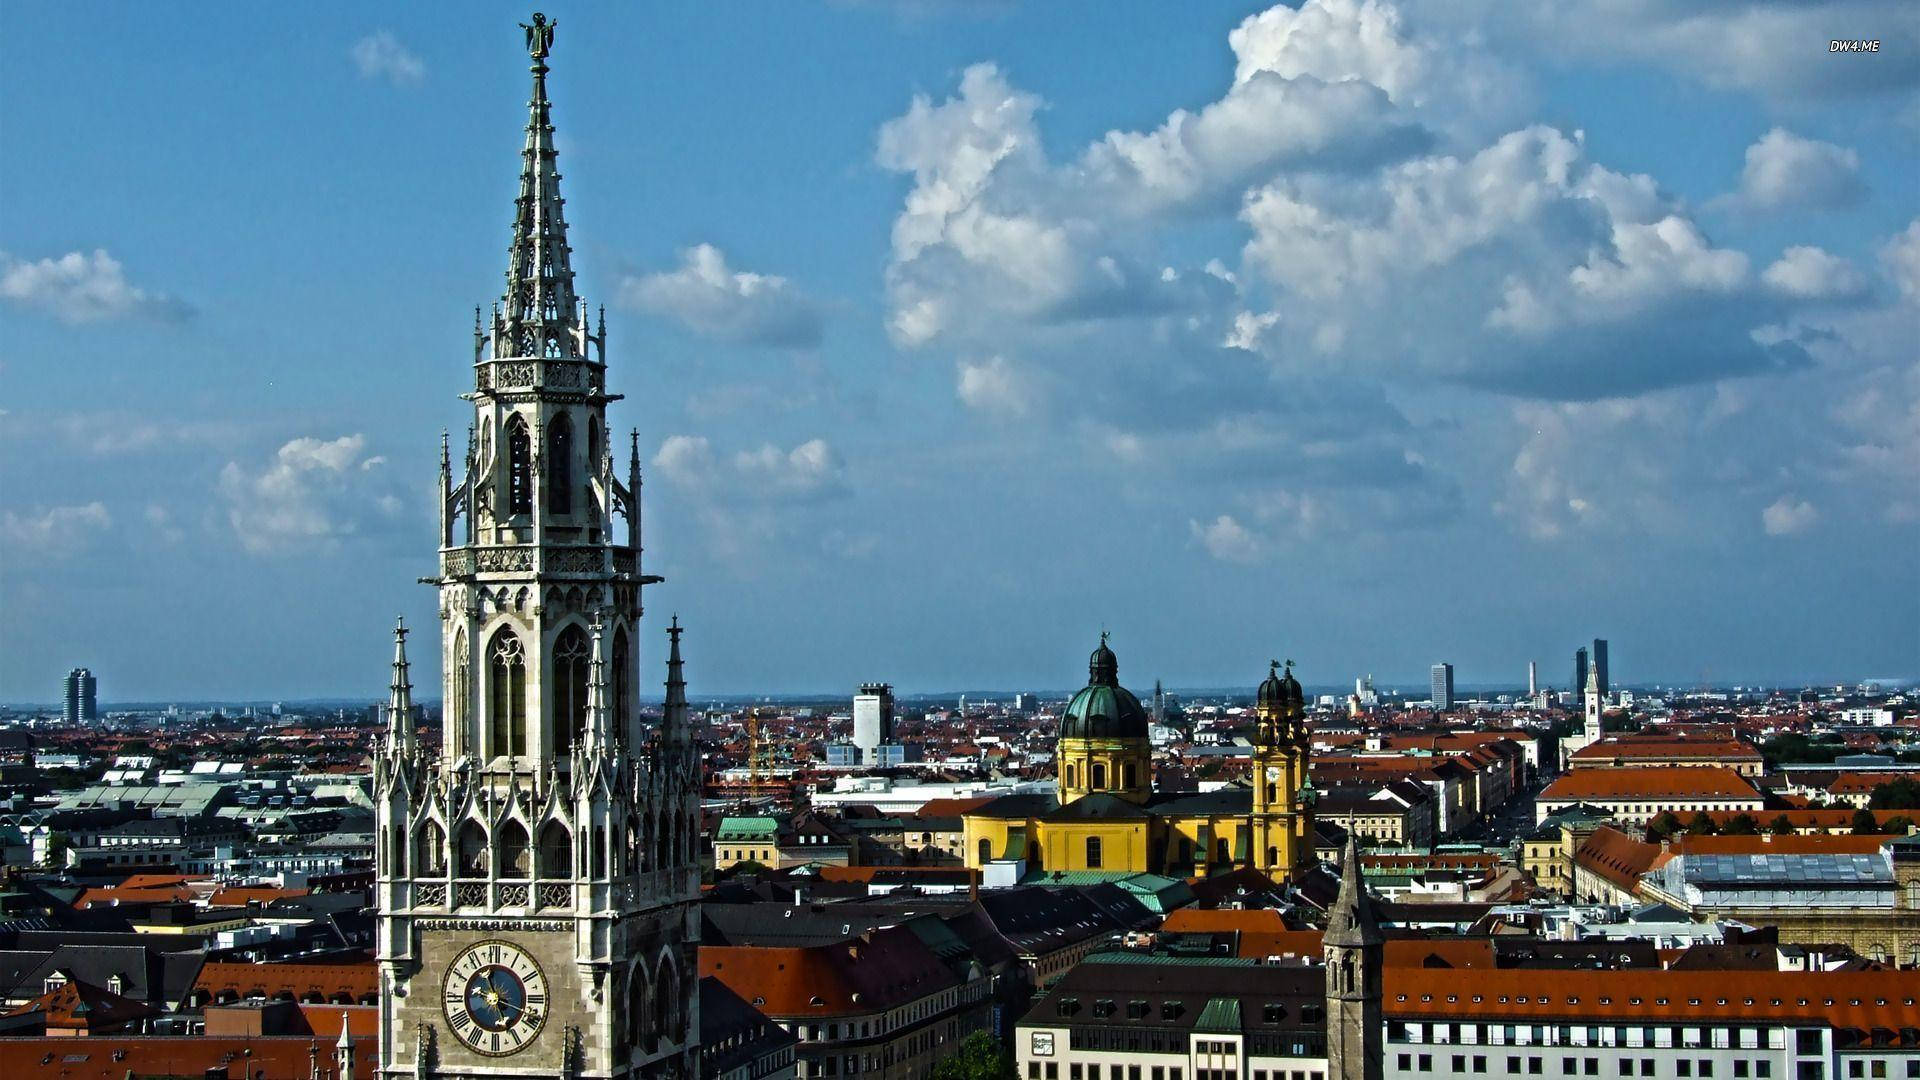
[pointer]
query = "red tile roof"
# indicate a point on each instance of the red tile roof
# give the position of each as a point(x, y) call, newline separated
point(1766, 844)
point(1675, 782)
point(1617, 857)
point(950, 808)
point(268, 980)
point(1861, 1000)
point(106, 1057)
point(1713, 749)
point(872, 973)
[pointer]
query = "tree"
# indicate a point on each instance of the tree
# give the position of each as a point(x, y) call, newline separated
point(1701, 824)
point(978, 1057)
point(1782, 826)
point(1898, 823)
point(1898, 794)
point(1744, 825)
point(1666, 824)
point(1865, 822)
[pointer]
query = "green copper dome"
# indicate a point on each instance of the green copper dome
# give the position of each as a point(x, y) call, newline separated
point(1104, 709)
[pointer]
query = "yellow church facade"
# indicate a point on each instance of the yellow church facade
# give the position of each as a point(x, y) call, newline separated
point(1106, 817)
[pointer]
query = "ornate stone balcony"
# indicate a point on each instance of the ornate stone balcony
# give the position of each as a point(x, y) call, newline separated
point(545, 373)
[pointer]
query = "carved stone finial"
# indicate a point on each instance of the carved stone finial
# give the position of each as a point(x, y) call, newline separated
point(539, 36)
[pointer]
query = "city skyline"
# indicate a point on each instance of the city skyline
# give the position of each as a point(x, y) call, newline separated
point(794, 323)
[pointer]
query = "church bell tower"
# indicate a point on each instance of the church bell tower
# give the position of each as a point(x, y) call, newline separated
point(1282, 825)
point(536, 878)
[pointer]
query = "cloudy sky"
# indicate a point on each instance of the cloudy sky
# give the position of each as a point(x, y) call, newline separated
point(1365, 333)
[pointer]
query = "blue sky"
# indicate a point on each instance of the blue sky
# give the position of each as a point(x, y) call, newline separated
point(1361, 333)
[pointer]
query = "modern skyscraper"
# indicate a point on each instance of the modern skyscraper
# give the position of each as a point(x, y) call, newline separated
point(81, 707)
point(1579, 673)
point(1533, 680)
point(1600, 667)
point(872, 720)
point(1443, 687)
point(536, 882)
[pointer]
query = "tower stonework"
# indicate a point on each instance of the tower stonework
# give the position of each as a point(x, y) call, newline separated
point(1353, 946)
point(536, 877)
point(1282, 823)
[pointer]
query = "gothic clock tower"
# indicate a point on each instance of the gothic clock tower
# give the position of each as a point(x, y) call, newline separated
point(536, 879)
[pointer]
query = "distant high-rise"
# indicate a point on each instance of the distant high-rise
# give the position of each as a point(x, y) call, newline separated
point(1579, 672)
point(1600, 667)
point(1442, 687)
point(1533, 679)
point(872, 719)
point(81, 707)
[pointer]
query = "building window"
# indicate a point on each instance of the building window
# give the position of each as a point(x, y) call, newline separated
point(1093, 853)
point(519, 467)
point(507, 686)
point(1073, 776)
point(1099, 773)
point(1127, 773)
point(571, 656)
point(459, 695)
point(560, 466)
point(622, 685)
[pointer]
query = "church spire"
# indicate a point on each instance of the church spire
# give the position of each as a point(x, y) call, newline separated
point(400, 694)
point(543, 317)
point(1351, 922)
point(596, 735)
point(674, 716)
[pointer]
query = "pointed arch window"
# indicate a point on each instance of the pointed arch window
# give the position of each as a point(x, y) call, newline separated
point(519, 467)
point(560, 466)
point(430, 850)
point(460, 697)
point(556, 851)
point(514, 854)
point(571, 656)
point(665, 995)
point(507, 689)
point(622, 685)
point(472, 853)
point(639, 1012)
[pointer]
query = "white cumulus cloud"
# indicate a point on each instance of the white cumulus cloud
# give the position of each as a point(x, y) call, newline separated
point(312, 494)
point(809, 470)
point(716, 301)
point(1810, 273)
point(1788, 515)
point(1784, 170)
point(996, 387)
point(55, 531)
point(1901, 257)
point(1226, 539)
point(79, 287)
point(380, 55)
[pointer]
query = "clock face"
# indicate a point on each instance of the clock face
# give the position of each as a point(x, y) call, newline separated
point(1273, 772)
point(495, 998)
point(1043, 1044)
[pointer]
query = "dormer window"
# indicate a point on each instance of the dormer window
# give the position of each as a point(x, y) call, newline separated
point(116, 985)
point(54, 982)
